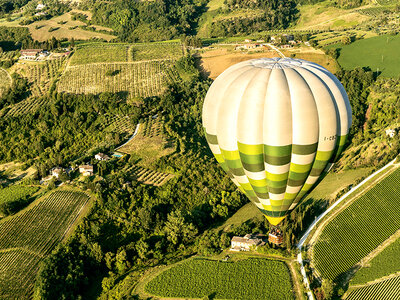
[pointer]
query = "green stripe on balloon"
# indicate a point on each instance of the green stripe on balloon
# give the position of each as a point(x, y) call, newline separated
point(211, 138)
point(304, 149)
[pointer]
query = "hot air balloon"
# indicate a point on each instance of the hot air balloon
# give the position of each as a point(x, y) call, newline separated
point(276, 125)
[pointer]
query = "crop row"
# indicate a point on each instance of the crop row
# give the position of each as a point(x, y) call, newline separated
point(17, 269)
point(113, 53)
point(148, 176)
point(141, 79)
point(359, 229)
point(385, 289)
point(32, 234)
point(26, 106)
point(117, 123)
point(40, 75)
point(43, 224)
point(246, 279)
point(152, 127)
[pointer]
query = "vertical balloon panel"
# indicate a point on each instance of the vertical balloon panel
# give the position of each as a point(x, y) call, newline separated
point(275, 126)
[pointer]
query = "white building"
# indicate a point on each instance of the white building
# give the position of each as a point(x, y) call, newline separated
point(390, 132)
point(86, 170)
point(40, 6)
point(101, 156)
point(56, 171)
point(246, 243)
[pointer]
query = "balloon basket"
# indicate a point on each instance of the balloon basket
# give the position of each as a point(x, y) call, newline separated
point(275, 236)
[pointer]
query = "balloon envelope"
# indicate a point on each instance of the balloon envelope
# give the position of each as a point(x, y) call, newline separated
point(275, 125)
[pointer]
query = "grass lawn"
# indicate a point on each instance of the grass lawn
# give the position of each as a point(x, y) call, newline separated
point(251, 278)
point(379, 53)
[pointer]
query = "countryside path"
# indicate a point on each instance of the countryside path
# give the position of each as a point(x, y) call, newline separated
point(313, 225)
point(134, 134)
point(276, 49)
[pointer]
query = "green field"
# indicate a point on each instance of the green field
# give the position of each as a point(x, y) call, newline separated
point(385, 289)
point(380, 53)
point(107, 53)
point(16, 192)
point(100, 53)
point(359, 229)
point(385, 263)
point(248, 279)
point(31, 235)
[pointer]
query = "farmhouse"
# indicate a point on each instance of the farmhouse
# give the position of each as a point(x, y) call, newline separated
point(40, 6)
point(86, 170)
point(390, 132)
point(247, 242)
point(30, 54)
point(101, 156)
point(56, 171)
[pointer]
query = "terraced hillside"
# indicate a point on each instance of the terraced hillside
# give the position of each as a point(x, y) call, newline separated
point(359, 229)
point(26, 238)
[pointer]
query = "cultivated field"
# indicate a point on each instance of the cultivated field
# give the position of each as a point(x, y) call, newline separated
point(379, 53)
point(248, 279)
point(359, 229)
point(24, 107)
point(107, 53)
point(149, 144)
point(5, 81)
point(385, 289)
point(140, 70)
point(137, 79)
point(385, 263)
point(41, 74)
point(148, 176)
point(26, 238)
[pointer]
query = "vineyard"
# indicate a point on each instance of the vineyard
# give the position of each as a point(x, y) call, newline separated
point(150, 176)
point(385, 289)
point(170, 51)
point(359, 229)
point(32, 234)
point(117, 123)
point(5, 81)
point(111, 53)
point(385, 263)
point(24, 107)
point(100, 53)
point(138, 79)
point(41, 75)
point(245, 279)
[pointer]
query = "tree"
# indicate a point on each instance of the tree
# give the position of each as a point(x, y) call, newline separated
point(328, 287)
point(177, 230)
point(346, 40)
